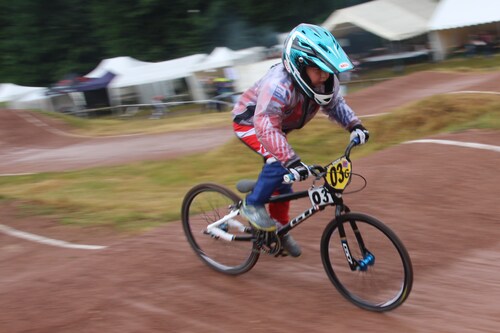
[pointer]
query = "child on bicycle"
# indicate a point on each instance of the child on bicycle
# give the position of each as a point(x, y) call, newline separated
point(287, 97)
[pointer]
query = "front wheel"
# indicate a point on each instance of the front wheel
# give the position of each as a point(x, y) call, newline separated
point(205, 204)
point(366, 262)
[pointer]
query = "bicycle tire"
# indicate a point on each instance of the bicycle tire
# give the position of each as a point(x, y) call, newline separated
point(205, 204)
point(387, 281)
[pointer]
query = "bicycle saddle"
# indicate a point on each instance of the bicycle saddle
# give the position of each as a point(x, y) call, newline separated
point(245, 185)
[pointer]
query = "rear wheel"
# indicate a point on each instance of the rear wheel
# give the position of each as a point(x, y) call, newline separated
point(205, 204)
point(367, 262)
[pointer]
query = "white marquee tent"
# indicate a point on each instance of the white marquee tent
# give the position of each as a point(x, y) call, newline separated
point(10, 91)
point(22, 97)
point(248, 74)
point(224, 57)
point(220, 57)
point(155, 79)
point(454, 20)
point(158, 71)
point(117, 66)
point(35, 99)
point(394, 20)
point(146, 81)
point(451, 14)
point(139, 81)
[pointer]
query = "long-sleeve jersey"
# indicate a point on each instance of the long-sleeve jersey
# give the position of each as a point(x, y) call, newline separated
point(274, 106)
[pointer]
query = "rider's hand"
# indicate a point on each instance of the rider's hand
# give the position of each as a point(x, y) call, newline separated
point(359, 131)
point(299, 170)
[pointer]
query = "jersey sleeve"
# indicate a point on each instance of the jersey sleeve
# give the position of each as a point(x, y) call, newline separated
point(338, 110)
point(269, 113)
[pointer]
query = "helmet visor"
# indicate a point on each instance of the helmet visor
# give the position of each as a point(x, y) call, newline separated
point(321, 65)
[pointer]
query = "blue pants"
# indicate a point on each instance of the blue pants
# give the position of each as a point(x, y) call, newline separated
point(269, 181)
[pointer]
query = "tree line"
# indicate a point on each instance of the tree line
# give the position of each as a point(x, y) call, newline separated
point(41, 41)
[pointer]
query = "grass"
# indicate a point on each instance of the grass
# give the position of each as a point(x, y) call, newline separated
point(138, 196)
point(179, 119)
point(457, 64)
point(460, 64)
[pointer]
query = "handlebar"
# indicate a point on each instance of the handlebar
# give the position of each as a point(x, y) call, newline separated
point(351, 145)
point(317, 170)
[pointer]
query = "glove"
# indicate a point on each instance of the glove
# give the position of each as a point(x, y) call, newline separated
point(299, 170)
point(359, 131)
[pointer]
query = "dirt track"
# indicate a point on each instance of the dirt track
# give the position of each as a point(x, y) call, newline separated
point(441, 200)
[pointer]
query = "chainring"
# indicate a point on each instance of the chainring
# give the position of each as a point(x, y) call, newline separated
point(268, 242)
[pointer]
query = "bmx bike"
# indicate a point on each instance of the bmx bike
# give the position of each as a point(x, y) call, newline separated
point(363, 258)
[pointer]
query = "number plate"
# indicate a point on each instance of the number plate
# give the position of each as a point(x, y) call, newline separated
point(338, 173)
point(320, 196)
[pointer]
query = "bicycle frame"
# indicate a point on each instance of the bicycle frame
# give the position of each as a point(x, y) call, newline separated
point(335, 195)
point(338, 202)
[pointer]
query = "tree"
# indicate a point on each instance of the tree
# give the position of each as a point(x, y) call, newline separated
point(42, 41)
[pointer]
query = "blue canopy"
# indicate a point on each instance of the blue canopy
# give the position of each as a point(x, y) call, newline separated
point(82, 86)
point(94, 84)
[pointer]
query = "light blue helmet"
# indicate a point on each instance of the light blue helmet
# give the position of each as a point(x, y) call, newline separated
point(312, 45)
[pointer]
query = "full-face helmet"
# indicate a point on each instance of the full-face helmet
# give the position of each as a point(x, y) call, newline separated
point(312, 45)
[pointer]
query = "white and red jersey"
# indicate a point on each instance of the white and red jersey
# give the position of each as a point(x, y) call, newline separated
point(274, 106)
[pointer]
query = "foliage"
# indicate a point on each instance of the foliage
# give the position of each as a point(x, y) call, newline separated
point(42, 41)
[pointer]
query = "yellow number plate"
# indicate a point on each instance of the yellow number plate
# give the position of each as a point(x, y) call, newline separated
point(338, 173)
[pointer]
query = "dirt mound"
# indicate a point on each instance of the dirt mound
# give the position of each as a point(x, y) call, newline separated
point(393, 93)
point(24, 129)
point(30, 142)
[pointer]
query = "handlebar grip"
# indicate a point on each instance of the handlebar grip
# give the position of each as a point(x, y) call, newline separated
point(356, 141)
point(289, 178)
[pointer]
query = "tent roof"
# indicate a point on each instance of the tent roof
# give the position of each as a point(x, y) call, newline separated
point(34, 95)
point(10, 91)
point(461, 13)
point(159, 71)
point(88, 85)
point(97, 83)
point(115, 65)
point(390, 19)
point(225, 57)
point(220, 57)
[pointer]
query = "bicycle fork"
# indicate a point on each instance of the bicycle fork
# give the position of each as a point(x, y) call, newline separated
point(355, 264)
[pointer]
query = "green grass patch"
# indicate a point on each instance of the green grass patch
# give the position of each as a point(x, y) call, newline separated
point(177, 120)
point(458, 64)
point(139, 196)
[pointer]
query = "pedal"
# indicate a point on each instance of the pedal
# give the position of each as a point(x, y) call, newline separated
point(281, 253)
